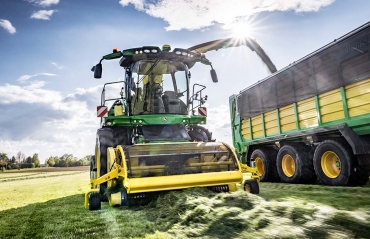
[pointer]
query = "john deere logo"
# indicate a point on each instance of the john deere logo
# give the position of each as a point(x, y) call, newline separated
point(164, 119)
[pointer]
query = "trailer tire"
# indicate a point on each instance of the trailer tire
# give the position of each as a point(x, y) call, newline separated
point(362, 174)
point(104, 140)
point(265, 159)
point(308, 171)
point(251, 186)
point(336, 165)
point(294, 164)
point(94, 201)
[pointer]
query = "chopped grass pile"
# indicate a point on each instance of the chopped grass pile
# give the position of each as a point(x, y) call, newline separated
point(201, 213)
point(280, 211)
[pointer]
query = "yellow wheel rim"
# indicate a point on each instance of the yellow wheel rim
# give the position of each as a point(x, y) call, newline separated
point(330, 164)
point(247, 188)
point(260, 166)
point(288, 165)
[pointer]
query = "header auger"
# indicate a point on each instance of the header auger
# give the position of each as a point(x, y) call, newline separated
point(150, 138)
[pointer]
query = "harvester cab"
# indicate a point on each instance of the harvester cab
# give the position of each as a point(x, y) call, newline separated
point(151, 139)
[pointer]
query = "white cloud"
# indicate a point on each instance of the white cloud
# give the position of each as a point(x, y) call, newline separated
point(59, 67)
point(7, 26)
point(38, 120)
point(35, 85)
point(46, 74)
point(218, 123)
point(43, 14)
point(194, 14)
point(139, 4)
point(44, 3)
point(27, 77)
point(24, 78)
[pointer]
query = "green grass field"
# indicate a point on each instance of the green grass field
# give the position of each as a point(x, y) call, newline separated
point(50, 205)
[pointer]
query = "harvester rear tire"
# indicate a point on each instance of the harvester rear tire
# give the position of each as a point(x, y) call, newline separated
point(94, 201)
point(251, 186)
point(336, 165)
point(265, 159)
point(294, 164)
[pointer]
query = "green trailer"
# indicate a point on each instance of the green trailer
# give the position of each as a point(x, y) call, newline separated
point(311, 119)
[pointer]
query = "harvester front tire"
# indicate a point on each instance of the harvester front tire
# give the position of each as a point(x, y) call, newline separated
point(105, 139)
point(294, 164)
point(335, 164)
point(265, 159)
point(199, 134)
point(94, 201)
point(251, 186)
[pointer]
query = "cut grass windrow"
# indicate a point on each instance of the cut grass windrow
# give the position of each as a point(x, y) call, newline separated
point(18, 175)
point(38, 175)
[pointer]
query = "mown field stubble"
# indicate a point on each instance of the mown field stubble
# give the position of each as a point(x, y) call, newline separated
point(50, 205)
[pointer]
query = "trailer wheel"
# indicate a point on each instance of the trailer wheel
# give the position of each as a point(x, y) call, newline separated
point(294, 164)
point(265, 159)
point(251, 186)
point(94, 201)
point(336, 165)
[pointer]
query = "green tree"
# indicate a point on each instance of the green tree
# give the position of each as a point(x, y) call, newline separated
point(4, 157)
point(57, 161)
point(66, 160)
point(85, 161)
point(51, 161)
point(28, 159)
point(36, 160)
point(19, 158)
point(3, 161)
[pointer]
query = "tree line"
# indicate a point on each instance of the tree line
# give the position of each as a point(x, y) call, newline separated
point(21, 161)
point(67, 160)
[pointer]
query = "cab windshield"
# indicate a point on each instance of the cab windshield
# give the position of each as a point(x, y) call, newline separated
point(160, 87)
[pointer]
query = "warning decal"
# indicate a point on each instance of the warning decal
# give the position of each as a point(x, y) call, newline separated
point(102, 111)
point(202, 111)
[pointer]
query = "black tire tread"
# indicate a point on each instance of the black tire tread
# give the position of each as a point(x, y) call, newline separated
point(199, 133)
point(253, 185)
point(268, 156)
point(356, 175)
point(305, 172)
point(308, 172)
point(94, 201)
point(106, 139)
point(361, 177)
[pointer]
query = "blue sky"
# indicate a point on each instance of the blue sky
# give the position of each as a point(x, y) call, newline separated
point(48, 95)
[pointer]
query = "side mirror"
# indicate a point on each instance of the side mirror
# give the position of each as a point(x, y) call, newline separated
point(98, 69)
point(214, 76)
